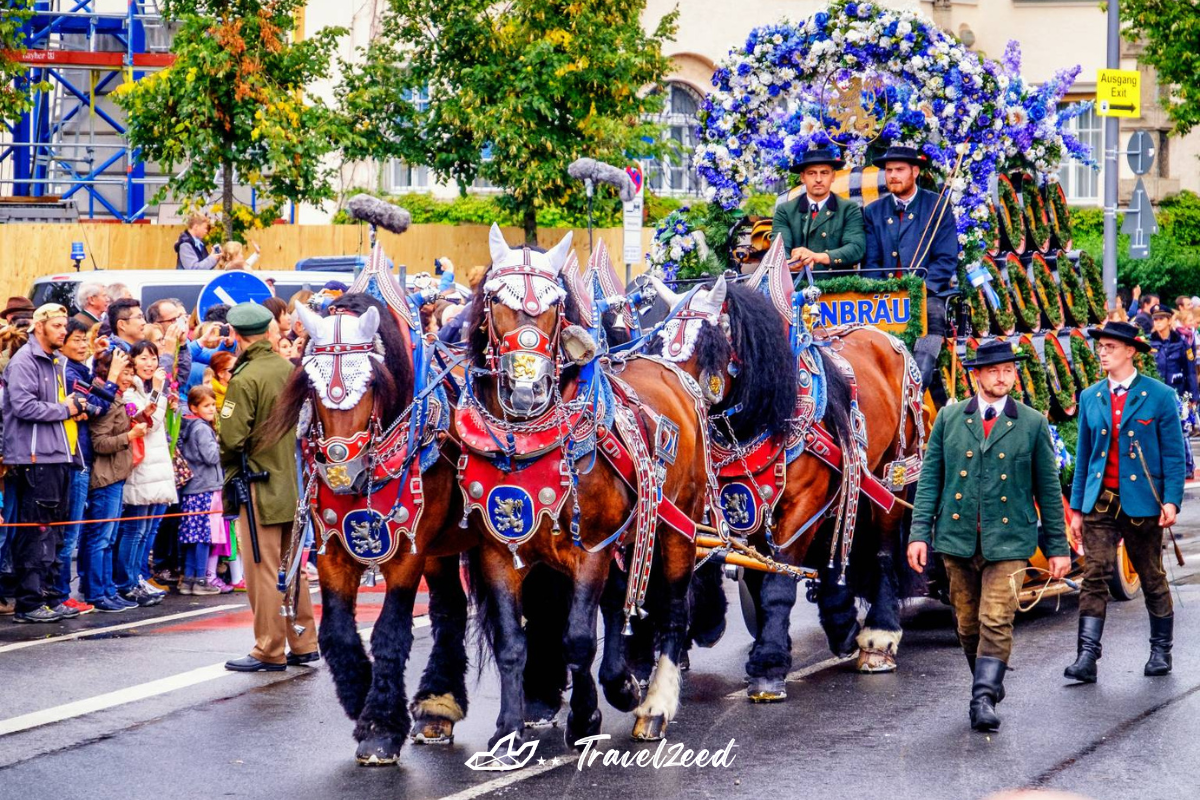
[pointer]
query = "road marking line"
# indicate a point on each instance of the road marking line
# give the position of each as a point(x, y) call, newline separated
point(122, 627)
point(508, 780)
point(800, 674)
point(141, 691)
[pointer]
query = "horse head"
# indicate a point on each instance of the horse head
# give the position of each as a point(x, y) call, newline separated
point(524, 316)
point(695, 335)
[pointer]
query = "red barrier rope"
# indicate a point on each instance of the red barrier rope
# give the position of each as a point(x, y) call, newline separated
point(110, 519)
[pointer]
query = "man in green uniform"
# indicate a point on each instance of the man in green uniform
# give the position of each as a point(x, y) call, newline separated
point(988, 468)
point(820, 230)
point(258, 378)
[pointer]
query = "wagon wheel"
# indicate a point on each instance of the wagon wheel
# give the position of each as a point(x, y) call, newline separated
point(1124, 582)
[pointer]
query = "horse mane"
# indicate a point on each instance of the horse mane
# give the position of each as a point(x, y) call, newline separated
point(764, 391)
point(392, 380)
point(837, 405)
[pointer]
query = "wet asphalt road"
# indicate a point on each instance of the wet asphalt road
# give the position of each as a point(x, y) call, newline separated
point(121, 713)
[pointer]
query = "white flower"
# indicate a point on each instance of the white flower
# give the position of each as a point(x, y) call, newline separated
point(676, 253)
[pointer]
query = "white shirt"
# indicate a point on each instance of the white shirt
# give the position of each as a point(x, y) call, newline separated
point(1112, 385)
point(998, 405)
point(817, 206)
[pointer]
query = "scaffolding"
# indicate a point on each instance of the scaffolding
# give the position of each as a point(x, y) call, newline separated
point(71, 143)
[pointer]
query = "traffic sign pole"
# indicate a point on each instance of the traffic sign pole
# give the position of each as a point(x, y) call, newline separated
point(1111, 145)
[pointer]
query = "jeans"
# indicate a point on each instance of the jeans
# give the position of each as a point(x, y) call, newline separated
point(98, 543)
point(195, 561)
point(76, 507)
point(7, 582)
point(133, 541)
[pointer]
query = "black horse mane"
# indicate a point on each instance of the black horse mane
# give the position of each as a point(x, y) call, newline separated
point(837, 404)
point(392, 380)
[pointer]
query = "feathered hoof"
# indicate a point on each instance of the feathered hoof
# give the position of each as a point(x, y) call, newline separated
point(576, 731)
point(434, 731)
point(766, 690)
point(870, 662)
point(624, 696)
point(685, 661)
point(378, 751)
point(539, 714)
point(649, 729)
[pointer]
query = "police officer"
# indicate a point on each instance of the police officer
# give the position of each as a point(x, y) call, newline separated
point(1175, 358)
point(1129, 457)
point(259, 376)
point(913, 228)
point(819, 229)
point(988, 462)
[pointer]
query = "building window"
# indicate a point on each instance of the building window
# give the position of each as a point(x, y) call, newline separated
point(674, 175)
point(1080, 182)
point(407, 178)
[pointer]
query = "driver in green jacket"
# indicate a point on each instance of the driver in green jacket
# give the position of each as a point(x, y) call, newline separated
point(819, 229)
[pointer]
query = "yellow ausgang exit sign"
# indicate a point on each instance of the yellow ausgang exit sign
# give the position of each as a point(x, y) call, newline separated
point(1119, 93)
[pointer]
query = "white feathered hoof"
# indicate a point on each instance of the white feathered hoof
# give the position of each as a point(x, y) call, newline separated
point(767, 690)
point(649, 729)
point(877, 650)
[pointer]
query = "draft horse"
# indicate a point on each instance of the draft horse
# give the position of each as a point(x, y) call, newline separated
point(567, 463)
point(800, 429)
point(378, 486)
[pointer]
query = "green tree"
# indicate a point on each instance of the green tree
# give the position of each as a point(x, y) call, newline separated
point(1169, 30)
point(14, 99)
point(233, 104)
point(509, 92)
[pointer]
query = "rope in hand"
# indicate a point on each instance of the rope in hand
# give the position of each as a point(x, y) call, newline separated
point(1040, 593)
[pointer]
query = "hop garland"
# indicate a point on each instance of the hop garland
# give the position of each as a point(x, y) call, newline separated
point(1087, 365)
point(1035, 213)
point(1093, 284)
point(1146, 364)
point(1060, 216)
point(1033, 377)
point(1059, 377)
point(1068, 433)
point(1004, 315)
point(1075, 301)
point(1047, 291)
point(995, 238)
point(912, 285)
point(961, 388)
point(1024, 298)
point(977, 307)
point(1010, 214)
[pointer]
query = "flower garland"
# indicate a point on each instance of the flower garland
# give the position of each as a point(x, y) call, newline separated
point(1086, 364)
point(977, 308)
point(996, 233)
point(1035, 213)
point(1060, 216)
point(1059, 377)
point(910, 284)
point(1010, 214)
point(1004, 315)
point(679, 249)
point(1093, 284)
point(1033, 377)
point(1068, 433)
point(1047, 292)
point(1063, 457)
point(1075, 301)
point(1029, 316)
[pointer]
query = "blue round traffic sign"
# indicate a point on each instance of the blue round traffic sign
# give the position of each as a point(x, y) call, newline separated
point(232, 288)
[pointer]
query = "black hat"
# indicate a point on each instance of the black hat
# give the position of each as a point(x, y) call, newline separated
point(1123, 332)
point(995, 352)
point(814, 157)
point(910, 155)
point(1159, 310)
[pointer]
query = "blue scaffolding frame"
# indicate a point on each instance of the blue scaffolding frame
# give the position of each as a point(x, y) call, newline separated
point(113, 45)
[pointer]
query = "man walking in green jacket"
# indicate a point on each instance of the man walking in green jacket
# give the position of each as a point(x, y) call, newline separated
point(988, 468)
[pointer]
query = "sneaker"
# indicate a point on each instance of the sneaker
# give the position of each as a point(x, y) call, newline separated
point(203, 587)
point(186, 584)
point(143, 598)
point(42, 614)
point(7, 608)
point(165, 577)
point(116, 599)
point(222, 586)
point(80, 606)
point(109, 605)
point(66, 612)
point(160, 586)
point(240, 586)
point(151, 589)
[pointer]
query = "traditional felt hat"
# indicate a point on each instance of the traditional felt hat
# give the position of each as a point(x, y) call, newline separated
point(16, 305)
point(814, 157)
point(249, 319)
point(909, 155)
point(1122, 332)
point(995, 352)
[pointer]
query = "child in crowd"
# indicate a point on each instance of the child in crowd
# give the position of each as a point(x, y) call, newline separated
point(201, 493)
point(221, 364)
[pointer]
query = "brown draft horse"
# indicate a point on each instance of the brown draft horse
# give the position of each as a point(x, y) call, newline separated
point(371, 689)
point(752, 374)
point(531, 367)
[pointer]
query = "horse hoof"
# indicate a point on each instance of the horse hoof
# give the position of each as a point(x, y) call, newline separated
point(649, 729)
point(378, 751)
point(541, 722)
point(766, 690)
point(434, 731)
point(873, 661)
point(541, 715)
point(625, 696)
point(685, 662)
point(575, 733)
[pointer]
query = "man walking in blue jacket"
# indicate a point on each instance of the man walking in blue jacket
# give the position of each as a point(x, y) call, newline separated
point(1128, 485)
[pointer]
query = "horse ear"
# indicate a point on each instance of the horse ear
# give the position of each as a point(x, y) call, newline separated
point(497, 245)
point(310, 319)
point(666, 294)
point(558, 253)
point(774, 271)
point(368, 323)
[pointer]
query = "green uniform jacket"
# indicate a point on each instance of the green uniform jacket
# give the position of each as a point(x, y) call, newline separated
point(981, 493)
point(837, 230)
point(258, 378)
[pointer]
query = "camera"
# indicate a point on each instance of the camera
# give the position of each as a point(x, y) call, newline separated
point(223, 330)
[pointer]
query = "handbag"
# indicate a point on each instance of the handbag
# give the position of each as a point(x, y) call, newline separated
point(183, 472)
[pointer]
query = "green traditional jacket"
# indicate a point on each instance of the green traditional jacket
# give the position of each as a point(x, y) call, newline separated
point(258, 379)
point(836, 230)
point(979, 495)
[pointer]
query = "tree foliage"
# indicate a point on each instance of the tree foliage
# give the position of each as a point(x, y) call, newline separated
point(233, 104)
point(510, 92)
point(1170, 33)
point(14, 91)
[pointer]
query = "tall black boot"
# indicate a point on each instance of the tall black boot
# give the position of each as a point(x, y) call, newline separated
point(971, 664)
point(1088, 650)
point(989, 681)
point(1161, 637)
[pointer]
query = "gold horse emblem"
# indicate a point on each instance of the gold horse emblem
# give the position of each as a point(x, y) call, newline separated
point(364, 539)
point(508, 516)
point(735, 509)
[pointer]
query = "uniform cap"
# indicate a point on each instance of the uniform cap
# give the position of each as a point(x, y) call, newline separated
point(249, 319)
